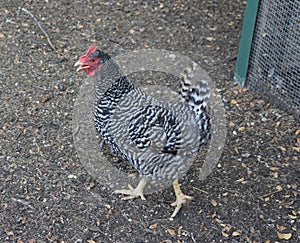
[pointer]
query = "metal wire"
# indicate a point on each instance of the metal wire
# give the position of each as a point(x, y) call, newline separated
point(274, 67)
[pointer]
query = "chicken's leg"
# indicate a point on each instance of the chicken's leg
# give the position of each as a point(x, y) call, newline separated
point(180, 198)
point(133, 192)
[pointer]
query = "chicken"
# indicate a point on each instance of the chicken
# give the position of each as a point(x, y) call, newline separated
point(158, 139)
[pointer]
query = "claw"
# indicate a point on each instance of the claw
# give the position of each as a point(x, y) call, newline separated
point(180, 199)
point(133, 192)
point(178, 204)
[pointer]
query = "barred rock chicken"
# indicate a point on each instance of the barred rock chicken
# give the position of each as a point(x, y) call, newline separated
point(157, 138)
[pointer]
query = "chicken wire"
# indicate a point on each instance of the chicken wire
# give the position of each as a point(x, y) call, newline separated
point(274, 65)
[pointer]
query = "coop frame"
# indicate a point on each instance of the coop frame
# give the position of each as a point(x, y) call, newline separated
point(252, 44)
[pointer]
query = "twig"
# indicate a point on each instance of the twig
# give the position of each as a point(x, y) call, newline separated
point(41, 28)
point(200, 190)
point(22, 202)
point(269, 194)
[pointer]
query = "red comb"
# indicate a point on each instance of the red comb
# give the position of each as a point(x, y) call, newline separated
point(91, 49)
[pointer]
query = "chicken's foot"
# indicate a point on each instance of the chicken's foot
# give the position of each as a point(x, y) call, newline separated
point(133, 192)
point(180, 198)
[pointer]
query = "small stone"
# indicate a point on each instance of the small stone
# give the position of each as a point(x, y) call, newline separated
point(172, 56)
point(246, 155)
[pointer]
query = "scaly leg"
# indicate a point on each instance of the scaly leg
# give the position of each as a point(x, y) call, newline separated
point(180, 198)
point(133, 192)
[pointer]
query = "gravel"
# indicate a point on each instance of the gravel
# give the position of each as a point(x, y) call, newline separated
point(47, 195)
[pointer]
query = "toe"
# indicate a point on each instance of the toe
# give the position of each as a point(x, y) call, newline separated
point(130, 193)
point(181, 200)
point(178, 204)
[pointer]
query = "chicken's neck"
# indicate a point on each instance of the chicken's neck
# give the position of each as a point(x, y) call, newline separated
point(110, 73)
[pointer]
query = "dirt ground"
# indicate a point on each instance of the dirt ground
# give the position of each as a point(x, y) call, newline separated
point(46, 195)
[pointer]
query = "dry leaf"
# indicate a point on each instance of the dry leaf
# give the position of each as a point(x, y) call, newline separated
point(219, 221)
point(274, 140)
point(240, 180)
point(274, 168)
point(107, 205)
point(131, 31)
point(92, 184)
point(236, 233)
point(284, 236)
point(292, 216)
point(228, 227)
point(153, 226)
point(224, 234)
point(79, 26)
point(23, 220)
point(296, 149)
point(171, 232)
point(214, 202)
point(91, 241)
point(236, 150)
point(233, 102)
point(294, 186)
point(241, 129)
point(280, 227)
point(166, 241)
point(231, 124)
point(283, 149)
point(209, 38)
point(297, 132)
point(242, 90)
point(46, 98)
point(279, 188)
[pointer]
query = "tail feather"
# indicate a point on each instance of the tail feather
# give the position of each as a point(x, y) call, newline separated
point(196, 92)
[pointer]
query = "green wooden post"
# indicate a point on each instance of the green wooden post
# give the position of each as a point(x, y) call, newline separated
point(241, 66)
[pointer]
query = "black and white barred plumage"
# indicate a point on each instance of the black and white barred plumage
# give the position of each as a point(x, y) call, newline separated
point(158, 139)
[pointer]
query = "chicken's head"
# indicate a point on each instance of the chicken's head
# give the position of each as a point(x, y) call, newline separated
point(92, 61)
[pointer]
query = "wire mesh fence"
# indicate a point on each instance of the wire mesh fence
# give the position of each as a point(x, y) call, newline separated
point(274, 65)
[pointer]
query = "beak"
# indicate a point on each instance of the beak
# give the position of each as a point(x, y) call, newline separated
point(81, 66)
point(78, 63)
